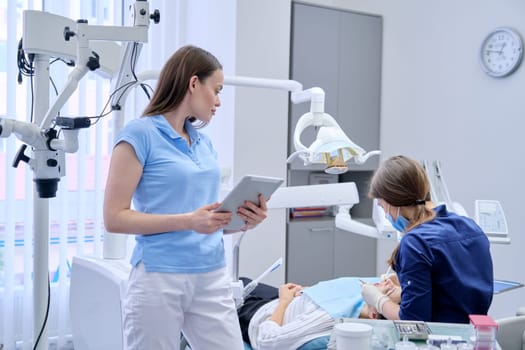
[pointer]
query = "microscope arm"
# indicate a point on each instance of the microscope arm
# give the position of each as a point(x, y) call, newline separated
point(28, 133)
point(72, 83)
point(47, 160)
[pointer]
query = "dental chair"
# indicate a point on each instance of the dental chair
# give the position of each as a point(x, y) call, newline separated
point(521, 311)
point(96, 290)
point(511, 332)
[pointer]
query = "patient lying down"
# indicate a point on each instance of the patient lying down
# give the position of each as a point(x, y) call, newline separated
point(291, 316)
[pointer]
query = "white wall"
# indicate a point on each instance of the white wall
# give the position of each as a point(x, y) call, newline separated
point(211, 25)
point(261, 122)
point(438, 104)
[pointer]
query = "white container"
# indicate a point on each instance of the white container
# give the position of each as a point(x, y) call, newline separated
point(350, 336)
point(406, 345)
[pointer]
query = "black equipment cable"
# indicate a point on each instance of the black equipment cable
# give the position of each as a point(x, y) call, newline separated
point(47, 314)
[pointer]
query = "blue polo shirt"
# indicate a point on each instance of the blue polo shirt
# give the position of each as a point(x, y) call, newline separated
point(176, 179)
point(445, 270)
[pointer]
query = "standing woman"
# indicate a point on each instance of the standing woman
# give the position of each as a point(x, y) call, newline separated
point(163, 186)
point(443, 260)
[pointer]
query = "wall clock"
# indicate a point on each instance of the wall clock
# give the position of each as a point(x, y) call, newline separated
point(501, 52)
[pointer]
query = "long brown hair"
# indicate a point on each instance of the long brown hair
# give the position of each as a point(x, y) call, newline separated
point(173, 82)
point(403, 182)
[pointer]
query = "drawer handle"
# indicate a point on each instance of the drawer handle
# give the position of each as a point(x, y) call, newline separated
point(321, 229)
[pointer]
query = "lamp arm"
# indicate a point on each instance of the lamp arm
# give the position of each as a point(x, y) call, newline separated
point(344, 221)
point(315, 95)
point(361, 158)
point(276, 84)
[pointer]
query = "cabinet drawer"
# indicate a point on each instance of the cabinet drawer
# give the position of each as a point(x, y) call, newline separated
point(355, 255)
point(310, 252)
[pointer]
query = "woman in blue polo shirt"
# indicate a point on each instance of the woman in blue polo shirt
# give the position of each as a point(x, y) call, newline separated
point(443, 260)
point(163, 186)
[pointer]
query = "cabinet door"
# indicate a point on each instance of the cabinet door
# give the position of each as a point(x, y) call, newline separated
point(354, 255)
point(360, 81)
point(314, 63)
point(310, 251)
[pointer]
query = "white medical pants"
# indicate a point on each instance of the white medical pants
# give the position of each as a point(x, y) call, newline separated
point(157, 306)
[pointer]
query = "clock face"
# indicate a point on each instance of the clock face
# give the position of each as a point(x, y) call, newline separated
point(501, 52)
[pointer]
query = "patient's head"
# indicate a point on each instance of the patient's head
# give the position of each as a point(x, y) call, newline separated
point(391, 288)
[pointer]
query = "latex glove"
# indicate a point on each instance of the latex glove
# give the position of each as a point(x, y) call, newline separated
point(373, 296)
point(388, 276)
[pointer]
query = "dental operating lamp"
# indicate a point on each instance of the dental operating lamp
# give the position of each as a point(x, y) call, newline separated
point(332, 146)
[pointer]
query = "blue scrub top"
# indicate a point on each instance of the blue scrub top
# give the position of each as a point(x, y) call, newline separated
point(176, 178)
point(445, 270)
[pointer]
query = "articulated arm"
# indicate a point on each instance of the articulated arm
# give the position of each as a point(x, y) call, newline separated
point(86, 44)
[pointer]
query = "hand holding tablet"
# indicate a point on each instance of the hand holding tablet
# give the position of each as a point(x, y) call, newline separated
point(248, 189)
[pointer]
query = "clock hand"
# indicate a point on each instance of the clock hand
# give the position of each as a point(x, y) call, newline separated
point(502, 47)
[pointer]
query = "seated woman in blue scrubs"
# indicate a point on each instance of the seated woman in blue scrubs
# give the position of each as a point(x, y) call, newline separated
point(443, 260)
point(296, 317)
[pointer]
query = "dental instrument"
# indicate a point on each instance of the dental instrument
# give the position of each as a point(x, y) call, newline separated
point(387, 273)
point(251, 286)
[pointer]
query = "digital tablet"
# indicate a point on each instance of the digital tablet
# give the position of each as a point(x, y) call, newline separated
point(247, 189)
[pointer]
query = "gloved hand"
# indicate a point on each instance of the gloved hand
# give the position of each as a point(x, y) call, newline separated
point(388, 276)
point(373, 296)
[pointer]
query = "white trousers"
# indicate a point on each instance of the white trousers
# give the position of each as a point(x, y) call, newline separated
point(157, 306)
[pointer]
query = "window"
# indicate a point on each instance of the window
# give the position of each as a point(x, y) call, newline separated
point(78, 224)
point(75, 215)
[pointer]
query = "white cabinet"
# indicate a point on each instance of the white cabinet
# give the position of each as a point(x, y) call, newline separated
point(354, 255)
point(310, 251)
point(318, 251)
